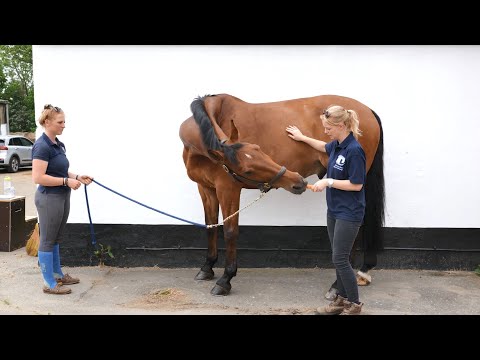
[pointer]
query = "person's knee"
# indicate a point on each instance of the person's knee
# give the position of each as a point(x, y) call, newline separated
point(46, 247)
point(341, 261)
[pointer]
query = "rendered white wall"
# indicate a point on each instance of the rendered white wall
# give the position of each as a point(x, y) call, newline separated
point(124, 106)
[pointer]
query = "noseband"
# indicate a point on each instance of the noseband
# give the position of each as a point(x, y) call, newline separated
point(262, 186)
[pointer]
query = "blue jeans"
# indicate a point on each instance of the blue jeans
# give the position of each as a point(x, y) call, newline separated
point(342, 234)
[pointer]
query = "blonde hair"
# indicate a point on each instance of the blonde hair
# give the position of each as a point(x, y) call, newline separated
point(336, 115)
point(49, 112)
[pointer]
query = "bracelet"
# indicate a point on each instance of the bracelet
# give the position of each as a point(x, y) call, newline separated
point(63, 182)
point(76, 177)
point(66, 181)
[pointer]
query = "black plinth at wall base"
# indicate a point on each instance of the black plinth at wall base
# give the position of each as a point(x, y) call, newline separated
point(12, 223)
point(185, 246)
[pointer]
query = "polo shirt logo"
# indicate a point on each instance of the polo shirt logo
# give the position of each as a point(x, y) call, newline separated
point(339, 162)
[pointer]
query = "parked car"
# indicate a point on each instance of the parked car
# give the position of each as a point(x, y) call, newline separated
point(15, 152)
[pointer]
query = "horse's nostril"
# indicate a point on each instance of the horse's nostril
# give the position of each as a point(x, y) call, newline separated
point(301, 185)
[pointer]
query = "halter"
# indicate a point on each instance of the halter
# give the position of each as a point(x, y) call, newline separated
point(262, 186)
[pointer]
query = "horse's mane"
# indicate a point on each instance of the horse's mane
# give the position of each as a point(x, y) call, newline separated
point(209, 137)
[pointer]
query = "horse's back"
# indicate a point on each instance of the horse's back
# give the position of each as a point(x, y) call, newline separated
point(265, 116)
point(264, 124)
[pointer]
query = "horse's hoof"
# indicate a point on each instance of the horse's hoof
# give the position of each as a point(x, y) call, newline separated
point(219, 291)
point(331, 294)
point(363, 279)
point(204, 275)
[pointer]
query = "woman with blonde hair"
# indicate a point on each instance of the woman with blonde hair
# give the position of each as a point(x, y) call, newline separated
point(52, 198)
point(345, 194)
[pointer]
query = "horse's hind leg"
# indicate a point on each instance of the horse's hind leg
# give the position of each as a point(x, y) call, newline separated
point(210, 207)
point(369, 262)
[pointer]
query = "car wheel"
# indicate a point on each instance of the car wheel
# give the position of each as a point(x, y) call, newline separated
point(14, 164)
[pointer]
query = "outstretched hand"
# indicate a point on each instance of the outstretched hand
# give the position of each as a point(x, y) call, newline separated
point(85, 179)
point(319, 186)
point(294, 132)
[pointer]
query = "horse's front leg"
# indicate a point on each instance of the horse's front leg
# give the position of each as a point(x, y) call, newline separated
point(210, 207)
point(229, 202)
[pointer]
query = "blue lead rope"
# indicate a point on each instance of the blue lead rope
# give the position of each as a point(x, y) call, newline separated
point(92, 233)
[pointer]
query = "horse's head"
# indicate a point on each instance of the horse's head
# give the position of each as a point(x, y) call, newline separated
point(248, 164)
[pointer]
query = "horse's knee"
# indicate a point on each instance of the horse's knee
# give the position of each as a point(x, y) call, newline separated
point(230, 234)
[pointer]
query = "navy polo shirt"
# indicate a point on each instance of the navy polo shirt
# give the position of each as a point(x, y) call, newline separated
point(346, 161)
point(44, 149)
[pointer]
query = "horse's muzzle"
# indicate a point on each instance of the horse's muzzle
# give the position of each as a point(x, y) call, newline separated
point(300, 187)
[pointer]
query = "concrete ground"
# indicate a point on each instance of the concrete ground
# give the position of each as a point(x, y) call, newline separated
point(259, 291)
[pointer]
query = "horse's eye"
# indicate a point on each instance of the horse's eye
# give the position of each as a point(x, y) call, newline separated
point(248, 173)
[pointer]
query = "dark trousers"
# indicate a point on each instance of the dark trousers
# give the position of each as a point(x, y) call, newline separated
point(342, 235)
point(53, 211)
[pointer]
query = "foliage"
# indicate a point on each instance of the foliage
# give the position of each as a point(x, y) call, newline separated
point(477, 270)
point(16, 86)
point(102, 252)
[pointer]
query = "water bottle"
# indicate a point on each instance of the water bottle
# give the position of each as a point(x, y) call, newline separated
point(8, 189)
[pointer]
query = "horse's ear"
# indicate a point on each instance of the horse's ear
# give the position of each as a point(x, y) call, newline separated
point(216, 155)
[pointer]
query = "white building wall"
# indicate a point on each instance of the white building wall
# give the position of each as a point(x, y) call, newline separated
point(124, 106)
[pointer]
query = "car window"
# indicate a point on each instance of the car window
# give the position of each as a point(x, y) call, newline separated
point(15, 141)
point(2, 142)
point(25, 142)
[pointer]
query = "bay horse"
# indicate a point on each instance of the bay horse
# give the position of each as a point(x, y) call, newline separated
point(230, 144)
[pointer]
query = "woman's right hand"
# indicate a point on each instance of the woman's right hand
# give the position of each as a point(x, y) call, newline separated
point(294, 133)
point(85, 179)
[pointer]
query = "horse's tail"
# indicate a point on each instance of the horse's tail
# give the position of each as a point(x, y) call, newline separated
point(375, 202)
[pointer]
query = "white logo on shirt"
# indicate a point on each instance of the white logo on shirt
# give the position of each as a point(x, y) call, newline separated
point(339, 162)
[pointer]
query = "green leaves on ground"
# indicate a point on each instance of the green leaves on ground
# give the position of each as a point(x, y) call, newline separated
point(102, 252)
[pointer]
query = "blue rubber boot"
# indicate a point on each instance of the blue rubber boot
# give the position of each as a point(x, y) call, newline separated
point(46, 265)
point(57, 268)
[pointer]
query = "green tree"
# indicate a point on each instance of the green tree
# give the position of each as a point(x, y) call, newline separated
point(16, 86)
